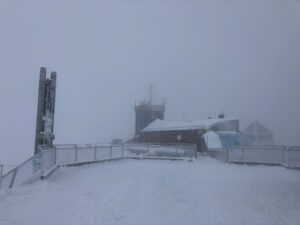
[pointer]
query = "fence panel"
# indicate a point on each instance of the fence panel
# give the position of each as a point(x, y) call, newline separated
point(280, 155)
point(235, 155)
point(27, 170)
point(257, 154)
point(6, 179)
point(292, 157)
point(220, 154)
point(103, 153)
point(132, 150)
point(272, 156)
point(85, 153)
point(65, 156)
point(116, 151)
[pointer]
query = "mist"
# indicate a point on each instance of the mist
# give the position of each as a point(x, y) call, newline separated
point(241, 57)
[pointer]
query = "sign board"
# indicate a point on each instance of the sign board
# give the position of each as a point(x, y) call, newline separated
point(178, 137)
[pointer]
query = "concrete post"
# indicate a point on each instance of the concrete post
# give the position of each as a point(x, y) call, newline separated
point(243, 155)
point(110, 151)
point(227, 154)
point(95, 152)
point(76, 152)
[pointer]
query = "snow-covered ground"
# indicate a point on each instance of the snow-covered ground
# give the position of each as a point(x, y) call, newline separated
point(154, 192)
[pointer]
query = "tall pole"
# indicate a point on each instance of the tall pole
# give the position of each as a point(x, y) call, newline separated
point(45, 110)
point(52, 97)
point(40, 108)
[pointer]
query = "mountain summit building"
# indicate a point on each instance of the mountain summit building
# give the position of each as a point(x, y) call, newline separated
point(193, 132)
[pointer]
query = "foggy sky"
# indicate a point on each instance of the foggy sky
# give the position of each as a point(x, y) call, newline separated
point(242, 57)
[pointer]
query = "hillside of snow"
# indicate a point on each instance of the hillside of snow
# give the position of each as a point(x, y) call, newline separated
point(157, 192)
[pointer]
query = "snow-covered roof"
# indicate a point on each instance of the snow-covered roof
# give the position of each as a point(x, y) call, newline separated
point(162, 125)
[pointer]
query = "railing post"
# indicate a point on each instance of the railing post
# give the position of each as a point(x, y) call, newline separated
point(110, 151)
point(55, 155)
point(43, 157)
point(282, 160)
point(288, 158)
point(76, 152)
point(227, 154)
point(1, 174)
point(95, 153)
point(122, 150)
point(243, 155)
point(13, 178)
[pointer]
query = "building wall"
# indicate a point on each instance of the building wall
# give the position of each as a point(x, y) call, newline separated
point(187, 137)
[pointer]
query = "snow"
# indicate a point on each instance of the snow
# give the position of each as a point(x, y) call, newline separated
point(161, 151)
point(162, 125)
point(212, 140)
point(157, 192)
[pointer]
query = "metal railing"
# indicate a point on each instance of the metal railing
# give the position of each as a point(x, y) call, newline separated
point(288, 156)
point(29, 169)
point(62, 155)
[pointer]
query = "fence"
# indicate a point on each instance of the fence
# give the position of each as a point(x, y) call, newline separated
point(61, 155)
point(277, 155)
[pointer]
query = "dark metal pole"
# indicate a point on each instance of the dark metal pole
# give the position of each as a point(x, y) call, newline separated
point(45, 110)
point(52, 103)
point(40, 109)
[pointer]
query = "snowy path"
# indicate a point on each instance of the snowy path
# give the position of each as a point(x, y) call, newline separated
point(141, 192)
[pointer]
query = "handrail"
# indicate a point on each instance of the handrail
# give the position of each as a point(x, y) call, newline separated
point(17, 167)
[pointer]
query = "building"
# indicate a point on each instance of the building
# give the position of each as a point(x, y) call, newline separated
point(145, 113)
point(192, 132)
point(260, 134)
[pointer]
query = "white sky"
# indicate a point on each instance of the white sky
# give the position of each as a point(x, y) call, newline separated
point(202, 56)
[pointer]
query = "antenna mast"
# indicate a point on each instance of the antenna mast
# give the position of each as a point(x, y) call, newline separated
point(150, 94)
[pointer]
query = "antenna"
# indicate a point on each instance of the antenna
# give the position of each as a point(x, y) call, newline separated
point(150, 93)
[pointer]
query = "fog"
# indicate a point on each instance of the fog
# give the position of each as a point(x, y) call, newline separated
point(242, 57)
